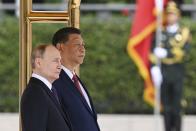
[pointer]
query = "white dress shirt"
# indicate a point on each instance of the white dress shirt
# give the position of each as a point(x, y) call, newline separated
point(70, 74)
point(44, 80)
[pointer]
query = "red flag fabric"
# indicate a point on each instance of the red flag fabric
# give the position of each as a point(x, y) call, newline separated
point(139, 43)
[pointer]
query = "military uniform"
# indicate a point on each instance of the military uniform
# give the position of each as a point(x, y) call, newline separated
point(176, 43)
point(172, 69)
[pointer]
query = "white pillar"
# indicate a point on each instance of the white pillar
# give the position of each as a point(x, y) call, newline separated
point(17, 8)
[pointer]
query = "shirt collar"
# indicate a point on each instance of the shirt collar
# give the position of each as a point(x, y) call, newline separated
point(69, 73)
point(173, 28)
point(44, 80)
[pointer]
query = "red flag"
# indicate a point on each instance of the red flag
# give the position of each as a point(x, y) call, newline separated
point(139, 43)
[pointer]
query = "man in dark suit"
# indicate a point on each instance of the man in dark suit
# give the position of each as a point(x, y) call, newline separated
point(40, 108)
point(73, 94)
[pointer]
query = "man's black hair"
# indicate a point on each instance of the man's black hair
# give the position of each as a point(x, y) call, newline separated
point(62, 35)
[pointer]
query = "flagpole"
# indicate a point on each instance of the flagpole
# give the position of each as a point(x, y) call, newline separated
point(159, 9)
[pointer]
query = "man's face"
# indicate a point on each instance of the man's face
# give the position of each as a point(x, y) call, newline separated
point(50, 64)
point(172, 18)
point(73, 51)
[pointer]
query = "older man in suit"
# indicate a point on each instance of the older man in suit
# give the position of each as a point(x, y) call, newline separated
point(40, 108)
point(73, 94)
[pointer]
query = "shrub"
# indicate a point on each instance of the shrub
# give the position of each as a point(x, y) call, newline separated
point(110, 75)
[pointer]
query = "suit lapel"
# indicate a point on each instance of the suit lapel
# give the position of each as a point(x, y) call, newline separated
point(91, 103)
point(73, 89)
point(49, 93)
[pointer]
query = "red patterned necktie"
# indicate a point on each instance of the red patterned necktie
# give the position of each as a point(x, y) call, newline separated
point(76, 83)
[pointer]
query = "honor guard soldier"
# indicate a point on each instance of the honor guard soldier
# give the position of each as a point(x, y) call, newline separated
point(171, 53)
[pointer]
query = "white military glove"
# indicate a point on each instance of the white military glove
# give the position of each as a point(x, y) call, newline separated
point(156, 76)
point(160, 52)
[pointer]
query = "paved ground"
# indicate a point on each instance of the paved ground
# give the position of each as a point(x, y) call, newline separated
point(10, 122)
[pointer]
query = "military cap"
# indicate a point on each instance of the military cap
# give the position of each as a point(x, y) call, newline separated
point(172, 8)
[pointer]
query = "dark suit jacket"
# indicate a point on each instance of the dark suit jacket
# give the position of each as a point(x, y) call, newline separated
point(74, 104)
point(40, 110)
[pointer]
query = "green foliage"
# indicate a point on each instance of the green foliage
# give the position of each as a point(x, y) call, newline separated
point(108, 71)
point(42, 33)
point(9, 65)
point(110, 75)
point(191, 71)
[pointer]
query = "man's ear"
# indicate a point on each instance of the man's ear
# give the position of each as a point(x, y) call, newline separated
point(59, 46)
point(38, 62)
